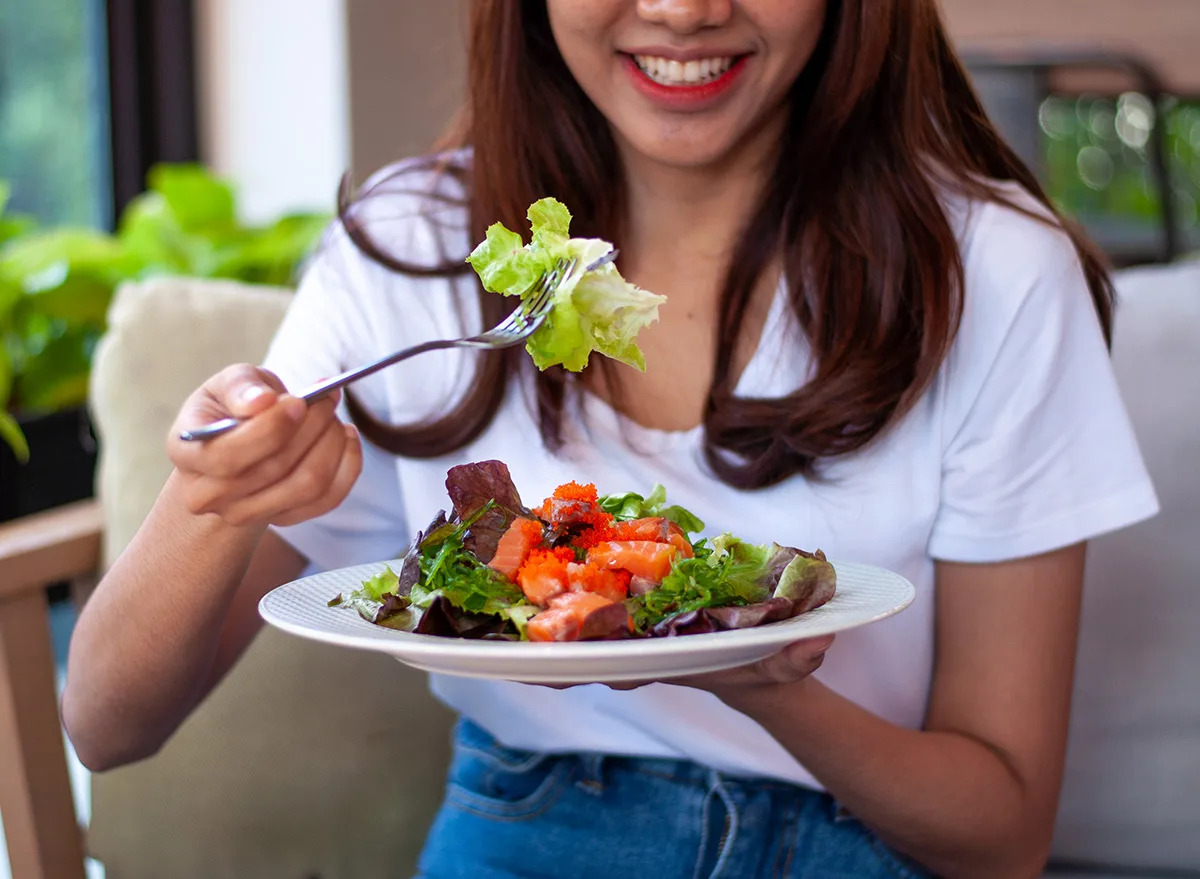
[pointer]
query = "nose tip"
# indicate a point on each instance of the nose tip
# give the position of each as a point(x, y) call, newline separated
point(686, 16)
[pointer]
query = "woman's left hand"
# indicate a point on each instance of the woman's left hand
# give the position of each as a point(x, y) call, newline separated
point(790, 665)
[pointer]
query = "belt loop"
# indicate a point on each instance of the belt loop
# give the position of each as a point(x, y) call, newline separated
point(591, 780)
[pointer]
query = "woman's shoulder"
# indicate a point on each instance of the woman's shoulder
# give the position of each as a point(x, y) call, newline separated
point(1024, 285)
point(406, 231)
point(414, 211)
point(390, 273)
point(1010, 242)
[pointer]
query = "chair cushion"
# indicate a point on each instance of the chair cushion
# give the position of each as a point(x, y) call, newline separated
point(307, 760)
point(1132, 788)
point(165, 338)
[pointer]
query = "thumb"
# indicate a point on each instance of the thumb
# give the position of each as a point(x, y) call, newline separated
point(244, 390)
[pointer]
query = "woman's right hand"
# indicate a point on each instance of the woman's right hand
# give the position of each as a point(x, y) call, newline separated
point(287, 463)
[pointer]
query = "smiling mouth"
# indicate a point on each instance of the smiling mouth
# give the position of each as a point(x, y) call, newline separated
point(682, 74)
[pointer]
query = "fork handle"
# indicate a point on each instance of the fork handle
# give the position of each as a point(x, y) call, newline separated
point(321, 388)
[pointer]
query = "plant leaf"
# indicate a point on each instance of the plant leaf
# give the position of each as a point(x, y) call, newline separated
point(150, 230)
point(196, 198)
point(56, 376)
point(6, 376)
point(78, 299)
point(12, 434)
point(39, 256)
point(271, 255)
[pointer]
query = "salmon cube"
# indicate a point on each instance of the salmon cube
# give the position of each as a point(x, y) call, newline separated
point(641, 558)
point(522, 536)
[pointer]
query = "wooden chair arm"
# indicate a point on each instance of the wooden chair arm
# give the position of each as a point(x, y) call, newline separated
point(40, 824)
point(50, 547)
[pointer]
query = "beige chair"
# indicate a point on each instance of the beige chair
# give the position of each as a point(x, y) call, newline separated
point(307, 761)
point(311, 761)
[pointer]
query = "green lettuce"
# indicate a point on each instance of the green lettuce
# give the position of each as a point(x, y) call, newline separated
point(700, 582)
point(378, 601)
point(450, 570)
point(595, 310)
point(631, 505)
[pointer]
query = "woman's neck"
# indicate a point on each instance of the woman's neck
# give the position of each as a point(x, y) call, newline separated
point(691, 217)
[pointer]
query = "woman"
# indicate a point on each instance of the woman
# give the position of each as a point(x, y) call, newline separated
point(879, 339)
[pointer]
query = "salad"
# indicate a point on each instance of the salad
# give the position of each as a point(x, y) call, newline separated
point(595, 310)
point(582, 566)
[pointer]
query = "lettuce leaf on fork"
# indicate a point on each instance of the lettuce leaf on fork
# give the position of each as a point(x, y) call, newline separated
point(592, 311)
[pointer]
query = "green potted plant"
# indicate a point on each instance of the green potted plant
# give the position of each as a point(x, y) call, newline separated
point(56, 285)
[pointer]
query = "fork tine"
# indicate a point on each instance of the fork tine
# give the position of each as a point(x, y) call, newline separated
point(518, 324)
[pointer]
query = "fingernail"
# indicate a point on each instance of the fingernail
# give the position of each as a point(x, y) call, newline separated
point(251, 393)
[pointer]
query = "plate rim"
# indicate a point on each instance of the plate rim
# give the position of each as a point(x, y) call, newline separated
point(399, 643)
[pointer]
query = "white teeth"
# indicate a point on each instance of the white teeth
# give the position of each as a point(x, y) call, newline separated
point(667, 71)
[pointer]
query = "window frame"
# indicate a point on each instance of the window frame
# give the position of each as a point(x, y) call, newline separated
point(152, 91)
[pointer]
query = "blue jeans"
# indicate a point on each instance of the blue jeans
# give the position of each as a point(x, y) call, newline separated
point(511, 813)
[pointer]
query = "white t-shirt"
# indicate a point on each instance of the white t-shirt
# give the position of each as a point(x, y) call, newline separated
point(1020, 446)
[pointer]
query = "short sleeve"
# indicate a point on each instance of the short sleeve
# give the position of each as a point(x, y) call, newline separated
point(323, 329)
point(1038, 449)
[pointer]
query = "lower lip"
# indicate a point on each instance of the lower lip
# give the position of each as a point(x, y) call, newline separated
point(685, 97)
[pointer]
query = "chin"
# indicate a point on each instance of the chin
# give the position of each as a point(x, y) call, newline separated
point(689, 155)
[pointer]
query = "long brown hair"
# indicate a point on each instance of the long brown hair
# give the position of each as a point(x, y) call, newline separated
point(883, 123)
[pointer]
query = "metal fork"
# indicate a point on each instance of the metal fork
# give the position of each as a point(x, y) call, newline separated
point(513, 330)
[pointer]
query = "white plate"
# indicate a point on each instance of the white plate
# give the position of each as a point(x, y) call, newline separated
point(864, 595)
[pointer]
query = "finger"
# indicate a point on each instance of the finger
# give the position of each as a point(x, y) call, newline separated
point(252, 442)
point(794, 662)
point(244, 390)
point(267, 471)
point(347, 474)
point(612, 685)
point(305, 486)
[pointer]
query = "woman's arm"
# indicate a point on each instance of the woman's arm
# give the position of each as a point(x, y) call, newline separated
point(976, 791)
point(179, 606)
point(172, 615)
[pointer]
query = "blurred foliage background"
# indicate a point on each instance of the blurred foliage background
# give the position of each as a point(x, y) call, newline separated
point(1097, 168)
point(57, 282)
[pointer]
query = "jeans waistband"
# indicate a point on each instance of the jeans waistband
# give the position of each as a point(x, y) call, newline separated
point(595, 764)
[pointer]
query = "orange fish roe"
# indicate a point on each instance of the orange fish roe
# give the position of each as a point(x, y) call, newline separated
point(544, 573)
point(599, 533)
point(573, 491)
point(574, 505)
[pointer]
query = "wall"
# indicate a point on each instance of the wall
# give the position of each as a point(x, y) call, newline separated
point(273, 99)
point(407, 60)
point(1166, 32)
